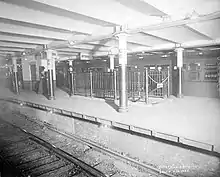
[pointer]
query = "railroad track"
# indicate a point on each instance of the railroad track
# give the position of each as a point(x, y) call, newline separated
point(93, 154)
point(32, 156)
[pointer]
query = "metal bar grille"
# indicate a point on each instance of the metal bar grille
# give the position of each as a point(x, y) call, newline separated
point(107, 84)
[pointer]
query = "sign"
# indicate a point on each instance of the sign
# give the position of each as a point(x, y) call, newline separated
point(160, 85)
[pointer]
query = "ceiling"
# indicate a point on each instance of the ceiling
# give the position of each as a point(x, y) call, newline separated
point(152, 25)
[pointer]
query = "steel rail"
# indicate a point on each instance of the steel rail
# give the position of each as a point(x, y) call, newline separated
point(110, 152)
point(62, 154)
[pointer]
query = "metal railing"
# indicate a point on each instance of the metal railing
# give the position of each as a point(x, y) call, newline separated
point(140, 84)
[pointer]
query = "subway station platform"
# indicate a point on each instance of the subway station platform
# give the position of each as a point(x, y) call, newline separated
point(192, 118)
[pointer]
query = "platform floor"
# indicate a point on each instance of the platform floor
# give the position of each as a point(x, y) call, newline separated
point(194, 118)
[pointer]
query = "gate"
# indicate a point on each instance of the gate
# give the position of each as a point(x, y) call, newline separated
point(62, 76)
point(135, 85)
point(82, 84)
point(33, 76)
point(158, 81)
point(103, 84)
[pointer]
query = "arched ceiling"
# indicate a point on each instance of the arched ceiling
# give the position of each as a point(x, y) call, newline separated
point(26, 25)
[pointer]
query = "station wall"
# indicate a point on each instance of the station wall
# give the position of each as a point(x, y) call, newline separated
point(200, 86)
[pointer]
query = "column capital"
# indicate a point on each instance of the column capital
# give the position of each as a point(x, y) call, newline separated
point(121, 34)
point(70, 62)
point(14, 58)
point(111, 55)
point(179, 49)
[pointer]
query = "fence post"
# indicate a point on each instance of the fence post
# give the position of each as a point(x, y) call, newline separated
point(115, 84)
point(146, 86)
point(91, 83)
point(168, 81)
point(139, 84)
point(74, 83)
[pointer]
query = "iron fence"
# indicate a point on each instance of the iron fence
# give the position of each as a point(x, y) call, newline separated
point(140, 84)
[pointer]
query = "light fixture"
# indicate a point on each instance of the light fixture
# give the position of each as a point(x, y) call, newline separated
point(164, 56)
point(215, 49)
point(140, 57)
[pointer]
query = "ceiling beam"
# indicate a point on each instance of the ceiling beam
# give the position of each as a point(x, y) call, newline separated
point(137, 43)
point(45, 20)
point(11, 49)
point(169, 24)
point(43, 7)
point(89, 47)
point(18, 45)
point(7, 52)
point(141, 43)
point(27, 36)
point(33, 32)
point(23, 39)
point(157, 37)
point(97, 44)
point(142, 7)
point(66, 51)
point(67, 54)
point(33, 25)
point(74, 50)
point(197, 32)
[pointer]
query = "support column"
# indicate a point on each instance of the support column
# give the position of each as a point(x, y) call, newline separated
point(123, 100)
point(26, 72)
point(180, 65)
point(15, 75)
point(71, 77)
point(111, 62)
point(50, 65)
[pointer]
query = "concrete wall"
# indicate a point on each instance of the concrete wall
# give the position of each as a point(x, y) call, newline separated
point(148, 60)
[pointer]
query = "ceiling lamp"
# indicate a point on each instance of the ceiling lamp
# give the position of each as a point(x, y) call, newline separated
point(141, 57)
point(215, 49)
point(164, 56)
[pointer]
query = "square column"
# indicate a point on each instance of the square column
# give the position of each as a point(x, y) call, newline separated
point(111, 62)
point(180, 65)
point(26, 72)
point(123, 97)
point(50, 79)
point(15, 75)
point(71, 77)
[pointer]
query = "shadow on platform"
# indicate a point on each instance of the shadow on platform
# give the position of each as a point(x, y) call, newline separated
point(112, 104)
